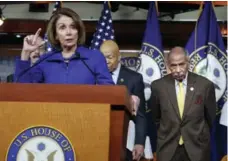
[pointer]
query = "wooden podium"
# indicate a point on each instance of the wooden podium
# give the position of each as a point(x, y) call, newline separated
point(94, 118)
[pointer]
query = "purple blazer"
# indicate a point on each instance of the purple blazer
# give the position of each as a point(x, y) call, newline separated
point(54, 70)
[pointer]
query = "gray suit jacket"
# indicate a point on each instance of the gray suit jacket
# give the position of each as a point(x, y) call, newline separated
point(198, 117)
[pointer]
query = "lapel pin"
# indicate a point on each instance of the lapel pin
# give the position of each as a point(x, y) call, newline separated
point(121, 80)
point(191, 89)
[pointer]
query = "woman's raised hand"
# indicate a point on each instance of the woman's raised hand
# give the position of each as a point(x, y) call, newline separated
point(31, 44)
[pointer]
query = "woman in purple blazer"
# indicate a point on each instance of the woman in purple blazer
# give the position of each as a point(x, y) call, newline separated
point(70, 63)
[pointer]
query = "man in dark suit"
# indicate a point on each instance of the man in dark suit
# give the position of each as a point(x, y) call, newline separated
point(183, 105)
point(134, 83)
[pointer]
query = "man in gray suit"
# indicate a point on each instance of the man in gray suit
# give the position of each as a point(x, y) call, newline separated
point(183, 105)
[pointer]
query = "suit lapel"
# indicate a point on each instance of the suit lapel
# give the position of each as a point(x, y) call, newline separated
point(190, 91)
point(172, 94)
point(120, 79)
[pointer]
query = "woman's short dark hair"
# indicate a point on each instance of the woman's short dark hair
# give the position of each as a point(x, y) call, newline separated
point(51, 28)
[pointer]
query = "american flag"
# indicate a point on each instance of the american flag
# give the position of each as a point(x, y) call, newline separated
point(49, 48)
point(104, 30)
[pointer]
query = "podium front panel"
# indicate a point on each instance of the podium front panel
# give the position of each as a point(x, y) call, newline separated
point(86, 127)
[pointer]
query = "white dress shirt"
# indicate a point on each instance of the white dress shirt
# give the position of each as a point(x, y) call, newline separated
point(223, 117)
point(115, 73)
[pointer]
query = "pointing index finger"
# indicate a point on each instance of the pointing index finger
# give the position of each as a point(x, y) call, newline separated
point(37, 34)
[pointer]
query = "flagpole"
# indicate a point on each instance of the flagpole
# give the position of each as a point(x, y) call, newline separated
point(156, 5)
point(200, 10)
point(109, 5)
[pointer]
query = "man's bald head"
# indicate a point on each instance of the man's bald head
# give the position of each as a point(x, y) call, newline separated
point(110, 50)
point(178, 63)
point(110, 46)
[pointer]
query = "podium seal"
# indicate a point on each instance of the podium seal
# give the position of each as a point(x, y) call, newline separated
point(40, 143)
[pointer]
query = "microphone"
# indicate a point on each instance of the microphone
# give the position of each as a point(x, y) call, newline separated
point(78, 55)
point(34, 65)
